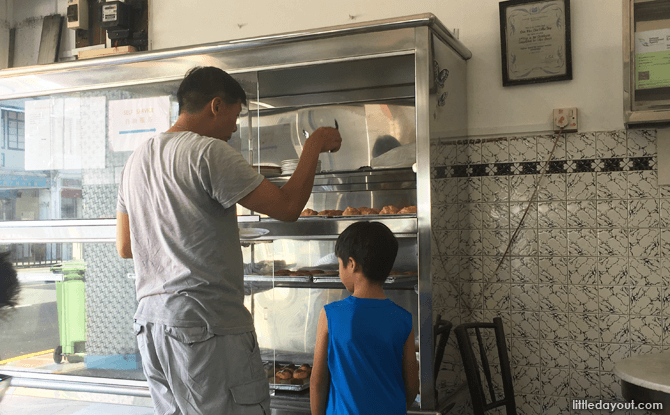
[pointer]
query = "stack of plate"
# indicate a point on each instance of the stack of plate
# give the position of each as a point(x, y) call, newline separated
point(288, 166)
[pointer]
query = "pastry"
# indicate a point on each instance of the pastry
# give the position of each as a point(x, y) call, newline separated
point(299, 274)
point(282, 272)
point(408, 209)
point(368, 211)
point(309, 212)
point(330, 213)
point(306, 368)
point(315, 272)
point(300, 374)
point(284, 374)
point(389, 210)
point(351, 211)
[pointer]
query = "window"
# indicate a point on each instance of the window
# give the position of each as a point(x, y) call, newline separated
point(14, 129)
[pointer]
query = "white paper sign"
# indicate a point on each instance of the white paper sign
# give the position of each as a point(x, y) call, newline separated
point(133, 121)
point(38, 135)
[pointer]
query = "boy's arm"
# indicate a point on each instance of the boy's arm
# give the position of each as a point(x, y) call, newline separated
point(320, 379)
point(410, 370)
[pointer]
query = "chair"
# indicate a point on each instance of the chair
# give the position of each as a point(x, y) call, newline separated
point(475, 365)
point(441, 332)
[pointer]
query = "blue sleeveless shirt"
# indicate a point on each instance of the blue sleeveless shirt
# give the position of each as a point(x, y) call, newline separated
point(365, 347)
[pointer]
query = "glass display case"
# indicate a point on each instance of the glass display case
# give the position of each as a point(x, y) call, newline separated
point(389, 86)
point(646, 58)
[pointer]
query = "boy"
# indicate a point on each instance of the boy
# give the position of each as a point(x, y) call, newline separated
point(364, 360)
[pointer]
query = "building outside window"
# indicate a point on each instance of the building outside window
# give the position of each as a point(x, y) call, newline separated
point(14, 123)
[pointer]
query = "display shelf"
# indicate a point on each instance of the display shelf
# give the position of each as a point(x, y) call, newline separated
point(320, 227)
point(259, 283)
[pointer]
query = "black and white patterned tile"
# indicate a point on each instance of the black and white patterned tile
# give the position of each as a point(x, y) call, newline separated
point(555, 382)
point(581, 146)
point(647, 330)
point(641, 143)
point(610, 144)
point(611, 353)
point(495, 188)
point(644, 243)
point(584, 356)
point(645, 271)
point(495, 150)
point(585, 384)
point(612, 213)
point(555, 354)
point(525, 270)
point(583, 299)
point(646, 301)
point(554, 326)
point(613, 270)
point(582, 242)
point(525, 352)
point(615, 328)
point(552, 187)
point(495, 215)
point(613, 243)
point(525, 297)
point(642, 184)
point(553, 298)
point(643, 213)
point(581, 214)
point(581, 186)
point(551, 214)
point(553, 242)
point(525, 324)
point(612, 185)
point(553, 270)
point(526, 211)
point(583, 270)
point(584, 327)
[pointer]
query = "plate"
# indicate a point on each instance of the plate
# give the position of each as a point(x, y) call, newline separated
point(249, 233)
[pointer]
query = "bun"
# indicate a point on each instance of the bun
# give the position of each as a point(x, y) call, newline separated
point(284, 374)
point(351, 212)
point(300, 374)
point(408, 209)
point(368, 211)
point(389, 210)
point(309, 212)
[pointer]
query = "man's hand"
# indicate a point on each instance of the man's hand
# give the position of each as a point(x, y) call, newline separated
point(329, 138)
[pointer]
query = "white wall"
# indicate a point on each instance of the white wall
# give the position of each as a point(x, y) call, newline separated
point(5, 25)
point(596, 89)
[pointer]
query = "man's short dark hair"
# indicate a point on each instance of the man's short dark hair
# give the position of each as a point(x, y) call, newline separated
point(9, 284)
point(204, 83)
point(370, 244)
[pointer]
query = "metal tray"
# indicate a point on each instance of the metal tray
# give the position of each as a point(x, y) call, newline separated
point(269, 279)
point(289, 387)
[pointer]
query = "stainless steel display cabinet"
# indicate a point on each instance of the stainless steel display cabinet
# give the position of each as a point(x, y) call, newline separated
point(391, 87)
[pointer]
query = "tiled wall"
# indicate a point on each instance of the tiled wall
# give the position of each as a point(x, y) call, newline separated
point(585, 282)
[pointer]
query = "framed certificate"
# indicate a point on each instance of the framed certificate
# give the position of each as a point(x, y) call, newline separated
point(535, 41)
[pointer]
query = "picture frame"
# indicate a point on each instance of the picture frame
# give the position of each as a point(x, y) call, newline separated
point(535, 41)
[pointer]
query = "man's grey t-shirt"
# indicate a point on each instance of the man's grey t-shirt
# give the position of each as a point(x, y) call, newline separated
point(179, 191)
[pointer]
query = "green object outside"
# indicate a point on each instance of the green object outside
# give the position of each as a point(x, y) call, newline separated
point(71, 304)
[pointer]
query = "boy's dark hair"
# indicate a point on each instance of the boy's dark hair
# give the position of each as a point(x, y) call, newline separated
point(370, 244)
point(204, 83)
point(9, 284)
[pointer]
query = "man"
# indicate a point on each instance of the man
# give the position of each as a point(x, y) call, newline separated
point(9, 284)
point(177, 219)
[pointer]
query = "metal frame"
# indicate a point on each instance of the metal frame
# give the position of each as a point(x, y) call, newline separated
point(402, 36)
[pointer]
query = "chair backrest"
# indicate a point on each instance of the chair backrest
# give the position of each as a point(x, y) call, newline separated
point(441, 332)
point(475, 365)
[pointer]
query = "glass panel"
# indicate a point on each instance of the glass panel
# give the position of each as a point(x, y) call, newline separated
point(288, 282)
point(66, 152)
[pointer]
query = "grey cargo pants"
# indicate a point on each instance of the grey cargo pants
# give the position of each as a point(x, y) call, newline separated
point(191, 371)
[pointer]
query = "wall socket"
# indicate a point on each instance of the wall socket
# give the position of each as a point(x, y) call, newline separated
point(565, 118)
